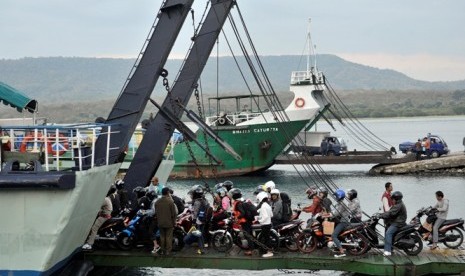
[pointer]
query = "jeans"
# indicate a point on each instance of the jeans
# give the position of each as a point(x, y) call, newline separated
point(436, 226)
point(389, 236)
point(337, 230)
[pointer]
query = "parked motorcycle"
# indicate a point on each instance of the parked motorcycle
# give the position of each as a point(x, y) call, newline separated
point(351, 238)
point(223, 240)
point(289, 231)
point(406, 238)
point(449, 232)
point(107, 233)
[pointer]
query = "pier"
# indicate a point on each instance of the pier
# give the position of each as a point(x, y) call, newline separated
point(441, 261)
point(352, 157)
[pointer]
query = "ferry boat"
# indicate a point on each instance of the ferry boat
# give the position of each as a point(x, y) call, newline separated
point(257, 137)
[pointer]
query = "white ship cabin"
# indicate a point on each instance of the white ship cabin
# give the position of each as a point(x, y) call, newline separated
point(245, 109)
point(309, 77)
point(50, 148)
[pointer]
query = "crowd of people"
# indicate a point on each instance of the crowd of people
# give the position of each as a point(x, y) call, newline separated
point(160, 206)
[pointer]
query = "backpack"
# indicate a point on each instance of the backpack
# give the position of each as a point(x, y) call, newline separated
point(250, 211)
point(287, 210)
point(204, 212)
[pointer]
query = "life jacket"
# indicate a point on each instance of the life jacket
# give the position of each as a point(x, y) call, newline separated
point(387, 195)
point(237, 214)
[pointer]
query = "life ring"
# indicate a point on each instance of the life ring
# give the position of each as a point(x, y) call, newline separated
point(53, 148)
point(221, 121)
point(299, 102)
point(30, 138)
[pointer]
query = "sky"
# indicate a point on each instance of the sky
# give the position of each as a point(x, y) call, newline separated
point(424, 39)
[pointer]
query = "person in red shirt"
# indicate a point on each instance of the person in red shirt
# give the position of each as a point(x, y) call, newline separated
point(315, 207)
point(387, 200)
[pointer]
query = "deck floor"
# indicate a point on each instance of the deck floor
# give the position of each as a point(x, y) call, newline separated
point(441, 261)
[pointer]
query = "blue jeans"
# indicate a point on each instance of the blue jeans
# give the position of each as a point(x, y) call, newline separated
point(337, 230)
point(389, 236)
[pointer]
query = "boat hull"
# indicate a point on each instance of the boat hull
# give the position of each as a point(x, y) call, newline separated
point(42, 228)
point(258, 145)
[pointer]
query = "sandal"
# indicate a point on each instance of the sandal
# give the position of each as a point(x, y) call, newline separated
point(434, 247)
point(155, 250)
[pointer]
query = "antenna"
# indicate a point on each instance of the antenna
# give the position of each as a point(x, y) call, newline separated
point(309, 38)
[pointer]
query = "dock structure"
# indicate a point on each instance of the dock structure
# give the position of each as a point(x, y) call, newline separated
point(441, 261)
point(353, 157)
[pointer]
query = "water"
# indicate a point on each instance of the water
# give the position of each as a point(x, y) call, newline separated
point(418, 190)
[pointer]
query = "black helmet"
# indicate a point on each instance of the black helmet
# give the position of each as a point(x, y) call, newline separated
point(197, 191)
point(119, 184)
point(397, 195)
point(351, 194)
point(139, 191)
point(228, 185)
point(169, 189)
point(324, 191)
point(235, 193)
point(151, 195)
point(111, 190)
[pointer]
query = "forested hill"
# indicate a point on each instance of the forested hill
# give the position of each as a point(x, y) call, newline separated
point(61, 79)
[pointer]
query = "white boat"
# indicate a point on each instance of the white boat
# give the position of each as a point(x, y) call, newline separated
point(47, 212)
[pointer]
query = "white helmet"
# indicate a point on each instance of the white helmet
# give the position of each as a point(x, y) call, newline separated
point(261, 196)
point(274, 192)
point(268, 186)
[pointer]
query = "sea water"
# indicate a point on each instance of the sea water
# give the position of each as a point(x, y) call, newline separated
point(418, 190)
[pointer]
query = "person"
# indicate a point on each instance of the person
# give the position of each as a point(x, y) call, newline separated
point(264, 218)
point(115, 201)
point(315, 207)
point(166, 212)
point(228, 184)
point(123, 194)
point(386, 197)
point(238, 212)
point(418, 149)
point(326, 203)
point(277, 207)
point(151, 219)
point(179, 202)
point(354, 206)
point(103, 215)
point(341, 215)
point(397, 217)
point(222, 199)
point(427, 146)
point(268, 186)
point(194, 235)
point(200, 208)
point(155, 186)
point(443, 208)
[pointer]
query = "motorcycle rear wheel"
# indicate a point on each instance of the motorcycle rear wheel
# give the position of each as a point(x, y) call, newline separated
point(291, 242)
point(362, 244)
point(415, 250)
point(178, 240)
point(306, 242)
point(453, 232)
point(273, 240)
point(221, 242)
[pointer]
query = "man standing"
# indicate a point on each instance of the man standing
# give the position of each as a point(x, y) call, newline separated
point(386, 197)
point(155, 186)
point(166, 214)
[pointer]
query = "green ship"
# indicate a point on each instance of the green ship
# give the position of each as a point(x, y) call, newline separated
point(256, 136)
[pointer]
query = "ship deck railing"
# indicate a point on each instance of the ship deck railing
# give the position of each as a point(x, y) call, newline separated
point(231, 118)
point(57, 147)
point(307, 77)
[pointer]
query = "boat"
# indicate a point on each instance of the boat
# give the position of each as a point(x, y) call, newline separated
point(257, 137)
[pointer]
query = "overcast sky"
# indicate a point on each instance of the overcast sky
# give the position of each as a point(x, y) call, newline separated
point(424, 39)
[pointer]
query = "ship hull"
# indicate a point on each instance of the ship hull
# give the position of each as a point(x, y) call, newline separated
point(43, 228)
point(258, 145)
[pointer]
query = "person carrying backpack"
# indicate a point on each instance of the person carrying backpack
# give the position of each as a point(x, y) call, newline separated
point(264, 218)
point(277, 207)
point(200, 208)
point(241, 217)
point(287, 208)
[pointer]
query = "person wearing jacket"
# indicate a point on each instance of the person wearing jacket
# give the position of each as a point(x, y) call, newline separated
point(342, 215)
point(277, 207)
point(238, 212)
point(103, 215)
point(443, 208)
point(166, 212)
point(264, 218)
point(396, 217)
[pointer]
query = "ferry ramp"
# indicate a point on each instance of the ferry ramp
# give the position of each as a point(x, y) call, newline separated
point(441, 261)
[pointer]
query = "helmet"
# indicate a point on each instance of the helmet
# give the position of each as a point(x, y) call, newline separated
point(274, 192)
point(197, 191)
point(339, 194)
point(351, 194)
point(258, 190)
point(261, 195)
point(323, 191)
point(169, 189)
point(139, 191)
point(397, 195)
point(235, 193)
point(228, 185)
point(119, 184)
point(221, 191)
point(268, 186)
point(151, 195)
point(111, 190)
point(311, 191)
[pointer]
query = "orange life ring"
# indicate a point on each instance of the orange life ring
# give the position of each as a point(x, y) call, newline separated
point(299, 102)
point(30, 138)
point(60, 148)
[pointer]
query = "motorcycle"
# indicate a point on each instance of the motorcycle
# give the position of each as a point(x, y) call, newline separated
point(449, 232)
point(313, 236)
point(223, 240)
point(107, 233)
point(406, 238)
point(289, 231)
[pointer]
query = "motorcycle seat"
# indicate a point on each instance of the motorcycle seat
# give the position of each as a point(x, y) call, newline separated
point(356, 224)
point(406, 227)
point(451, 221)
